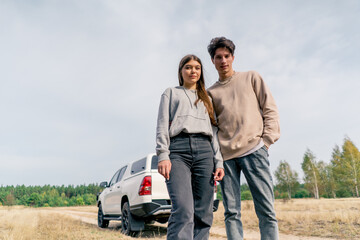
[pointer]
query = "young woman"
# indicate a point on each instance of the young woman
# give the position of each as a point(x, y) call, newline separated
point(188, 152)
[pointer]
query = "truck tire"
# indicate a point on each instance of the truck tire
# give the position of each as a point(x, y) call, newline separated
point(101, 221)
point(127, 221)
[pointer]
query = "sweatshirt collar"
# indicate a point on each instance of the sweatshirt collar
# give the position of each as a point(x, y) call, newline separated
point(191, 90)
point(226, 80)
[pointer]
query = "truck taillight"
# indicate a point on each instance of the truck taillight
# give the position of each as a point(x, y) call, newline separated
point(145, 187)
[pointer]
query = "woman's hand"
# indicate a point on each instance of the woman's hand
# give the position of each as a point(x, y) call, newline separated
point(164, 168)
point(219, 174)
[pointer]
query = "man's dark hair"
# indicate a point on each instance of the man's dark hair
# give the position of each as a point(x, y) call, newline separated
point(220, 42)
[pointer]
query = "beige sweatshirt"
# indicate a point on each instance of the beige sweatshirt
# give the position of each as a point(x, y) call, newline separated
point(246, 113)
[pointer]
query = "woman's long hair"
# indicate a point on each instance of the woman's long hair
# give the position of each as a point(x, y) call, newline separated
point(200, 86)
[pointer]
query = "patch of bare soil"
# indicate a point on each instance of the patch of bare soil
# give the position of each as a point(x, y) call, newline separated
point(158, 231)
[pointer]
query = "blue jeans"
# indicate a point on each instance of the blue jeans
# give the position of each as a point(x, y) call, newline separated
point(256, 169)
point(191, 187)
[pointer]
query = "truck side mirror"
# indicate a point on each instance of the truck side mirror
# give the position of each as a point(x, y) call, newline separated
point(103, 184)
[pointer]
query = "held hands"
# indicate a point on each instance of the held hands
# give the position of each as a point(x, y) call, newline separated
point(219, 174)
point(164, 168)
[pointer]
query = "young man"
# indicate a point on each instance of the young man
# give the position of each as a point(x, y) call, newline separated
point(248, 124)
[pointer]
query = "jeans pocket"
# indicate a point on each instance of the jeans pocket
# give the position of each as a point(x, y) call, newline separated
point(173, 140)
point(174, 143)
point(266, 150)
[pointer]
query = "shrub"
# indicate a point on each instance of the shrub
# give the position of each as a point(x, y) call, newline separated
point(246, 195)
point(80, 201)
point(89, 199)
point(302, 193)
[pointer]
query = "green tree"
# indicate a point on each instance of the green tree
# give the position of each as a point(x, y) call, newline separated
point(286, 178)
point(10, 199)
point(347, 166)
point(337, 171)
point(80, 201)
point(327, 180)
point(34, 200)
point(311, 173)
point(89, 199)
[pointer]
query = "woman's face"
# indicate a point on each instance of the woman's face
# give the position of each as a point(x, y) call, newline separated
point(191, 73)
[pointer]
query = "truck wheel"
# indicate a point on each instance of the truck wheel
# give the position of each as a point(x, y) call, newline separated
point(101, 221)
point(127, 220)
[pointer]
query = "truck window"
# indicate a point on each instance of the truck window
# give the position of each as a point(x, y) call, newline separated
point(154, 162)
point(114, 178)
point(138, 166)
point(121, 174)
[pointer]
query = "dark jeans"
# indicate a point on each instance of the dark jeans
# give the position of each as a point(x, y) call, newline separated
point(256, 170)
point(191, 187)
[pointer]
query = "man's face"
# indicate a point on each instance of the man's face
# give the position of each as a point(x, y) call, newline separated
point(223, 60)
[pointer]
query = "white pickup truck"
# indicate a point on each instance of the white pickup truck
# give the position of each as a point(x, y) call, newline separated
point(136, 195)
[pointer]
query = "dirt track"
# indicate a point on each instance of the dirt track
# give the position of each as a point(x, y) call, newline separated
point(158, 231)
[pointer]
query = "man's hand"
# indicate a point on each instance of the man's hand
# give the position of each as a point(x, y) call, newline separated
point(219, 174)
point(164, 168)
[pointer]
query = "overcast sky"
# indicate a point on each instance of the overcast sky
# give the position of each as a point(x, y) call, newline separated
point(80, 81)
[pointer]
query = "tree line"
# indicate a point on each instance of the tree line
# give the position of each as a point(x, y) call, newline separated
point(49, 196)
point(337, 179)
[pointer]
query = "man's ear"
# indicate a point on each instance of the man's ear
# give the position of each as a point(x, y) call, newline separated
point(212, 60)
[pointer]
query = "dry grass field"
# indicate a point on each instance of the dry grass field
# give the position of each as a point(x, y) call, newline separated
point(328, 218)
point(72, 223)
point(298, 219)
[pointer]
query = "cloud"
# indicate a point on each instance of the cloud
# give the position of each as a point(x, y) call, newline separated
point(81, 83)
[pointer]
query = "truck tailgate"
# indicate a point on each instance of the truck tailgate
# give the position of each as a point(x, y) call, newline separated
point(159, 189)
